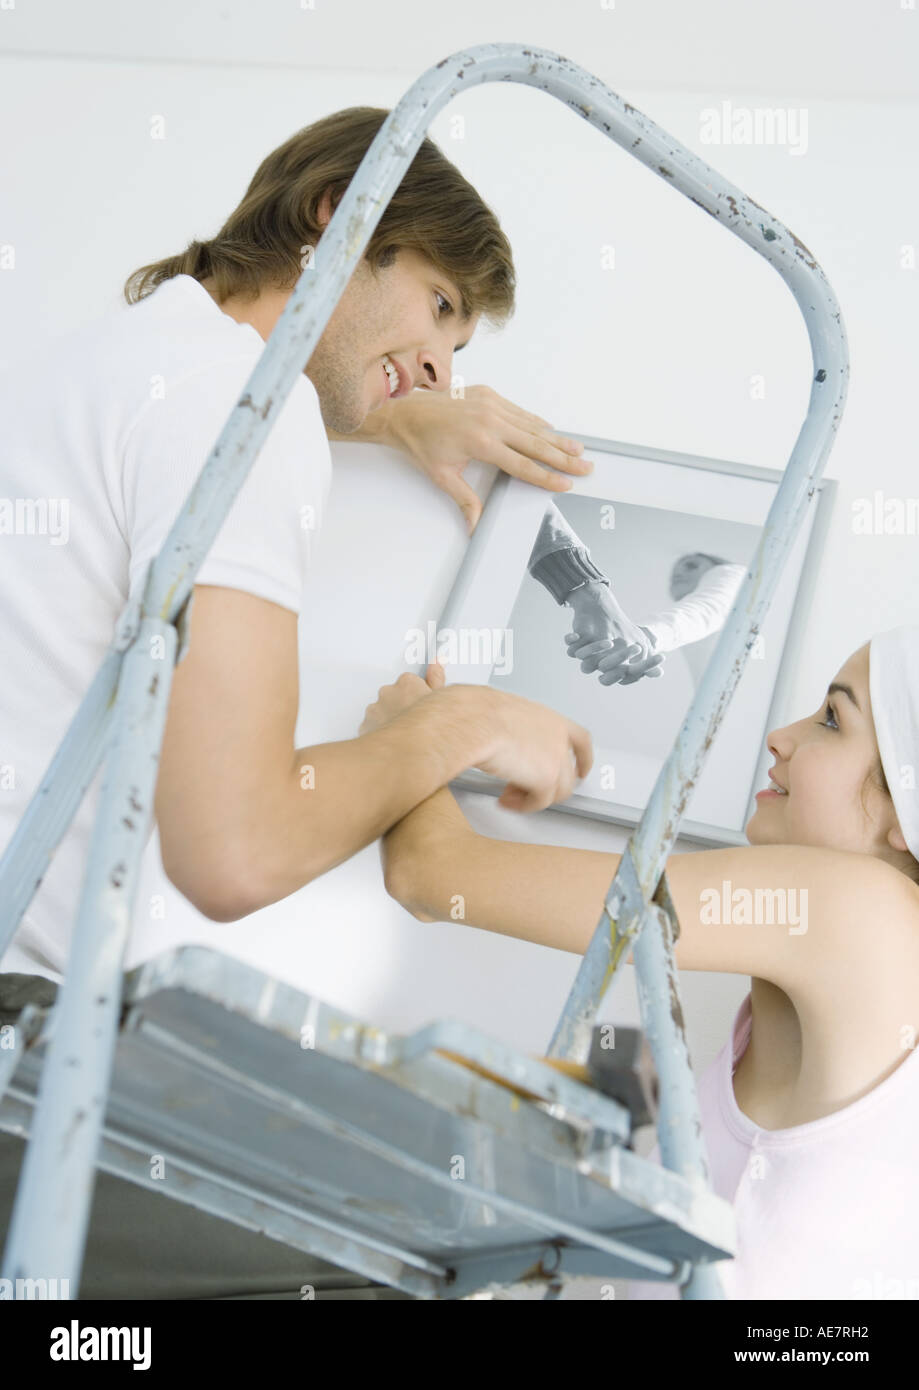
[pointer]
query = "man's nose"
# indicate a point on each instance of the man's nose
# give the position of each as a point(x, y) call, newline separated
point(435, 372)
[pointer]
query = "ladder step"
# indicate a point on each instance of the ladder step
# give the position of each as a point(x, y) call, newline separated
point(276, 1111)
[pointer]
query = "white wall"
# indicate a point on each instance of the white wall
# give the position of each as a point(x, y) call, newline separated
point(659, 351)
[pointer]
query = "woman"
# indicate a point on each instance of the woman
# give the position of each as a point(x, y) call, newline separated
point(811, 1112)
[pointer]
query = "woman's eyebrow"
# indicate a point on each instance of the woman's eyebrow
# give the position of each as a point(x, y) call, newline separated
point(845, 690)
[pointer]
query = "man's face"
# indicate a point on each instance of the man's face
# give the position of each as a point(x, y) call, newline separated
point(407, 312)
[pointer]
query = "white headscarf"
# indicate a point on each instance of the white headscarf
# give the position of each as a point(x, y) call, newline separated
point(893, 683)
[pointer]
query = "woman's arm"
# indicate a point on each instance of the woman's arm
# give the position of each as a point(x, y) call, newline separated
point(700, 613)
point(775, 911)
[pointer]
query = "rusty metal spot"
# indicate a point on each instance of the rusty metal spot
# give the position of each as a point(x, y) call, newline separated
point(667, 173)
point(768, 233)
point(803, 252)
point(248, 402)
point(821, 375)
point(116, 878)
point(676, 1013)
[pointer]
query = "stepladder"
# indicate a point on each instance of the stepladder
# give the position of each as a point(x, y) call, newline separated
point(114, 1047)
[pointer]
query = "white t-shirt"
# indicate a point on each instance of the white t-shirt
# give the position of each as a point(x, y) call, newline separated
point(103, 438)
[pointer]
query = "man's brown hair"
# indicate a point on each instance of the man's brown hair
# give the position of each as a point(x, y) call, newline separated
point(434, 212)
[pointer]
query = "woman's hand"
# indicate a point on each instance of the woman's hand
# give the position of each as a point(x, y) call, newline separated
point(616, 660)
point(441, 435)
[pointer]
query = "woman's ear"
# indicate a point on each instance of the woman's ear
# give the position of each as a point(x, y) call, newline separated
point(895, 838)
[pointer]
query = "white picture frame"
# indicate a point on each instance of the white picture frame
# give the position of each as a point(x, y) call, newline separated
point(500, 626)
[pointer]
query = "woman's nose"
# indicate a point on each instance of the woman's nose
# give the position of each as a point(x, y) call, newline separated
point(779, 742)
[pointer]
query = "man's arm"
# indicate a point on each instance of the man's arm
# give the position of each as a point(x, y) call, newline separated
point(244, 817)
point(560, 560)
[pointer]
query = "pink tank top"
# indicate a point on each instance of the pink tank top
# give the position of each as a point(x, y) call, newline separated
point(828, 1209)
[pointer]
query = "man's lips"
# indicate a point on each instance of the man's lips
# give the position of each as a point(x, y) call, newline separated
point(405, 384)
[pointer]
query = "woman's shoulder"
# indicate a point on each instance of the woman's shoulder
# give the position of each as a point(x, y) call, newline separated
point(862, 985)
point(835, 878)
point(847, 894)
point(805, 907)
point(863, 889)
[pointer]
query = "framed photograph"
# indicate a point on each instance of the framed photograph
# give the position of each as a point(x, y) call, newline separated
point(672, 535)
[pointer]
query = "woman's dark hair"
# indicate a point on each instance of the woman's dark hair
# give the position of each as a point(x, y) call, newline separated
point(691, 555)
point(434, 212)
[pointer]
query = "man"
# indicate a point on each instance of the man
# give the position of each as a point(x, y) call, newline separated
point(119, 420)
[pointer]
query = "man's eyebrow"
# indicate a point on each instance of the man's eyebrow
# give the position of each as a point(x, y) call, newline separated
point(844, 690)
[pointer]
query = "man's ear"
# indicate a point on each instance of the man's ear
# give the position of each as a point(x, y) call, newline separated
point(325, 208)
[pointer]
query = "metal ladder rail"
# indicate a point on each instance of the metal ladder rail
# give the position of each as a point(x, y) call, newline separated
point(47, 1232)
point(638, 910)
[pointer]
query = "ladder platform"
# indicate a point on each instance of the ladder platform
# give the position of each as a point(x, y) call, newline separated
point(285, 1115)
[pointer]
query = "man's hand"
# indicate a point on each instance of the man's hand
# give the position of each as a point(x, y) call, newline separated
point(604, 638)
point(441, 435)
point(538, 752)
point(406, 691)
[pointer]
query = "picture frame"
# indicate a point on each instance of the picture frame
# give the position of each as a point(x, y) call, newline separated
point(502, 627)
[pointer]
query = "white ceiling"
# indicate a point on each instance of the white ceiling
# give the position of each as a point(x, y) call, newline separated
point(818, 48)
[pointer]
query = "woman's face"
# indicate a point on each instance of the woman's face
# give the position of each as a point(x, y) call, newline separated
point(822, 762)
point(686, 574)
